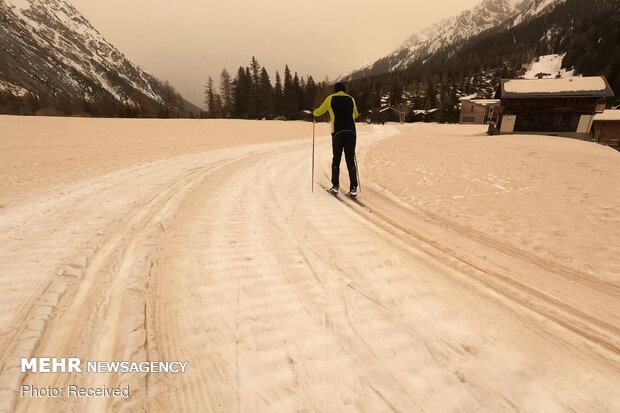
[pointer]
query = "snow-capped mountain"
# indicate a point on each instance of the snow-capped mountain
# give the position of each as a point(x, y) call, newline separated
point(50, 49)
point(486, 15)
point(536, 8)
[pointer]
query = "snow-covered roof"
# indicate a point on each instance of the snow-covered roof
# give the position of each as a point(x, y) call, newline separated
point(486, 101)
point(574, 86)
point(608, 115)
point(483, 102)
point(469, 97)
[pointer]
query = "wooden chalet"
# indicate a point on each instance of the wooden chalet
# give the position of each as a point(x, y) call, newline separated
point(606, 128)
point(477, 111)
point(560, 107)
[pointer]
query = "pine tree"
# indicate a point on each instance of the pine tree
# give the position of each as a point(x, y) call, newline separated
point(217, 111)
point(210, 98)
point(310, 93)
point(255, 105)
point(301, 97)
point(226, 94)
point(278, 95)
point(266, 95)
point(241, 89)
point(290, 98)
point(295, 98)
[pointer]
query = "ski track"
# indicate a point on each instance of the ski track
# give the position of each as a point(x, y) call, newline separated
point(287, 300)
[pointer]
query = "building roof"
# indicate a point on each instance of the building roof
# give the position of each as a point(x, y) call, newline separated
point(608, 116)
point(485, 102)
point(592, 86)
point(469, 97)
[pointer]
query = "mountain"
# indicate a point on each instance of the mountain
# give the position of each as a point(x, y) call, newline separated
point(50, 50)
point(484, 16)
point(569, 37)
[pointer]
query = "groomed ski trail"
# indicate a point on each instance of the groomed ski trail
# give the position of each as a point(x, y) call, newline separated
point(280, 299)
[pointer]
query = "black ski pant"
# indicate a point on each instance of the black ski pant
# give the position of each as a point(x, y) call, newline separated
point(344, 141)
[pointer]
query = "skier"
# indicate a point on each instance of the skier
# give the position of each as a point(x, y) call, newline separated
point(343, 112)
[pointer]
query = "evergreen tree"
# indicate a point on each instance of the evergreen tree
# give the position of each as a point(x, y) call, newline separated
point(255, 105)
point(278, 96)
point(241, 93)
point(266, 95)
point(226, 94)
point(217, 111)
point(295, 99)
point(310, 93)
point(290, 97)
point(301, 97)
point(210, 98)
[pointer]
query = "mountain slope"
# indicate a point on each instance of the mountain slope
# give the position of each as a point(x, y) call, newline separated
point(51, 50)
point(586, 33)
point(580, 37)
point(486, 15)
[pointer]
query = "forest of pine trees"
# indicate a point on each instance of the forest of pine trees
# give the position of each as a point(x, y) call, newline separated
point(252, 95)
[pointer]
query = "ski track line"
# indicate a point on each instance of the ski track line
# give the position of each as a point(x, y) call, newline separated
point(553, 268)
point(599, 332)
point(17, 229)
point(54, 287)
point(74, 319)
point(601, 295)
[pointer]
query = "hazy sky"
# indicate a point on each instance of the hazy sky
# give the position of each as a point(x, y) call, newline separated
point(185, 41)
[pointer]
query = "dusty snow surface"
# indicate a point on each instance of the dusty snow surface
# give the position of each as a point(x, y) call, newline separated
point(483, 279)
point(568, 84)
point(550, 65)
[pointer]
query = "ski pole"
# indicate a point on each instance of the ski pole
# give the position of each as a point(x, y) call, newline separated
point(357, 172)
point(313, 129)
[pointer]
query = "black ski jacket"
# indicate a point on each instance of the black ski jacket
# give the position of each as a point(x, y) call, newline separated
point(342, 111)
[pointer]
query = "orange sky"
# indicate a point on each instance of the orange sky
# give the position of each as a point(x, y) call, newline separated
point(185, 41)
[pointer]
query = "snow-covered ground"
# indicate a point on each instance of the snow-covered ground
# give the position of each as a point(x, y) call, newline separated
point(549, 66)
point(483, 279)
point(554, 197)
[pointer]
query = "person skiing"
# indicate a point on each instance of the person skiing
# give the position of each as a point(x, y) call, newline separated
point(343, 112)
